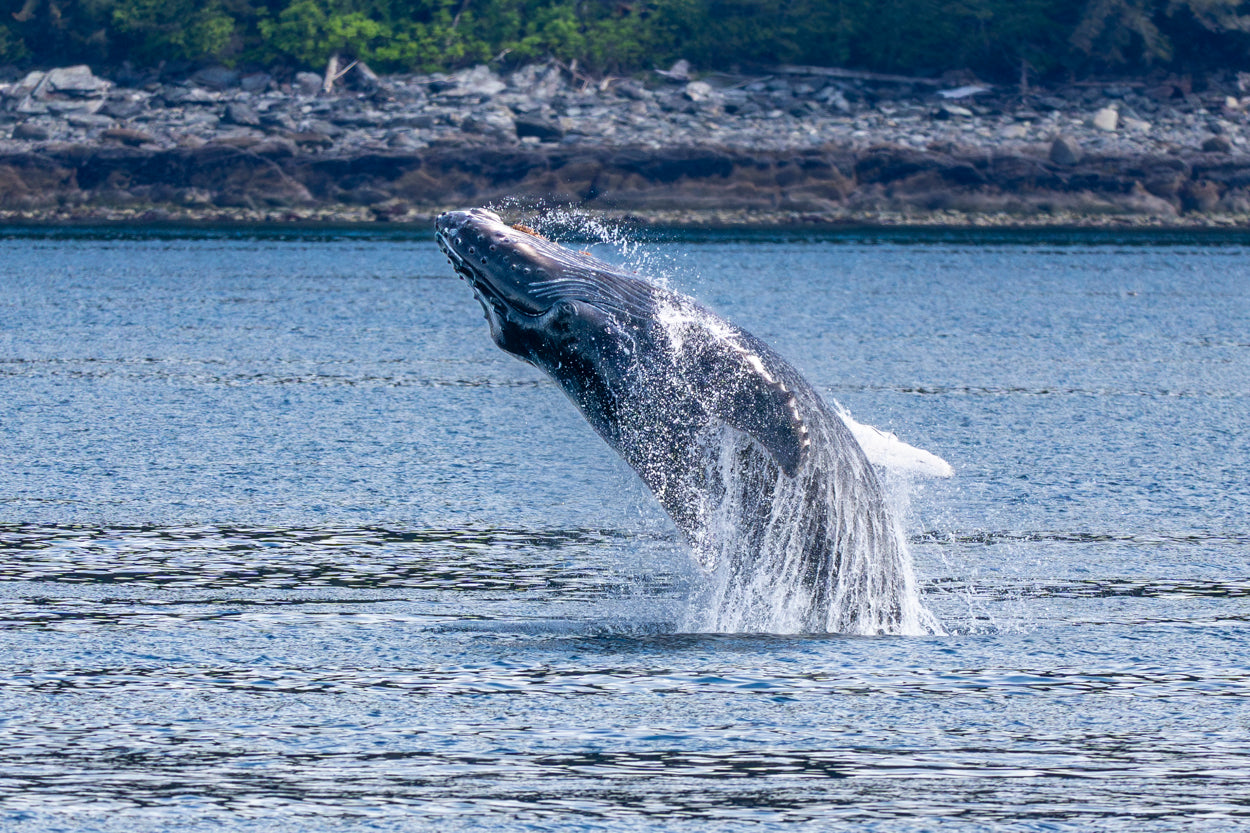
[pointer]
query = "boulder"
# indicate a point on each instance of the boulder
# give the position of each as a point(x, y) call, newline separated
point(30, 132)
point(241, 113)
point(216, 78)
point(479, 81)
point(496, 123)
point(256, 82)
point(698, 91)
point(1217, 144)
point(75, 81)
point(1106, 119)
point(182, 96)
point(124, 107)
point(89, 121)
point(1065, 150)
point(543, 129)
point(307, 83)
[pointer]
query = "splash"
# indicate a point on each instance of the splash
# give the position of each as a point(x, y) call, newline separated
point(829, 556)
point(575, 228)
point(820, 552)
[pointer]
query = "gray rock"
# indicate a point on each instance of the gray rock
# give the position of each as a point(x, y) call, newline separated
point(1218, 144)
point(30, 107)
point(31, 132)
point(698, 91)
point(325, 128)
point(183, 96)
point(76, 80)
point(1065, 150)
point(65, 107)
point(358, 118)
point(543, 129)
point(216, 78)
point(633, 90)
point(538, 81)
point(835, 98)
point(1106, 119)
point(479, 81)
point(241, 113)
point(307, 83)
point(33, 81)
point(496, 123)
point(123, 108)
point(89, 121)
point(256, 82)
point(277, 120)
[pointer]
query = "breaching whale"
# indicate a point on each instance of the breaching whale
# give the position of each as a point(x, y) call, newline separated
point(765, 481)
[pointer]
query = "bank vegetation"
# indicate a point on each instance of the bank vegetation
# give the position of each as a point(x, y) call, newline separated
point(995, 39)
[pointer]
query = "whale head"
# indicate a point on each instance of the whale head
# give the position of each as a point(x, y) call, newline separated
point(521, 279)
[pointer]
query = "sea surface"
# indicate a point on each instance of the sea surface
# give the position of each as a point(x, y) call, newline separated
point(287, 544)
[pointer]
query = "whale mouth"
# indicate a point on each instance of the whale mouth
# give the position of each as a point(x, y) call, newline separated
point(485, 293)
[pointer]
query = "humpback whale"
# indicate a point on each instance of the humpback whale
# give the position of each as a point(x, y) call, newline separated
point(764, 480)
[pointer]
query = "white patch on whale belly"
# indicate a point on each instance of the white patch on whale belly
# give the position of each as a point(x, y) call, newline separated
point(885, 449)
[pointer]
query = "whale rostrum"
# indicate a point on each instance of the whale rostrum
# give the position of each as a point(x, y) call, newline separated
point(765, 481)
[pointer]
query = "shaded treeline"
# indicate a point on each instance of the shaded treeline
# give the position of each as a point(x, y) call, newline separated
point(994, 38)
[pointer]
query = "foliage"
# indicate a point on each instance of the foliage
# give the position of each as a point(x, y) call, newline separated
point(150, 30)
point(994, 38)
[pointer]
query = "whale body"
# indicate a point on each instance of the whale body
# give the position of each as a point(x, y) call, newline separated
point(764, 480)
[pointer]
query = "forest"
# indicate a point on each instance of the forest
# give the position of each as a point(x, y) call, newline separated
point(995, 39)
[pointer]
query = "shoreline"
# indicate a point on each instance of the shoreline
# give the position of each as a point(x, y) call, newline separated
point(422, 223)
point(798, 148)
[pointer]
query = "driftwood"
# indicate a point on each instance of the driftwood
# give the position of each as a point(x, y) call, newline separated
point(333, 73)
point(859, 75)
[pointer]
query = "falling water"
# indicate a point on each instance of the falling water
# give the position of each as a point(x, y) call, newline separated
point(820, 551)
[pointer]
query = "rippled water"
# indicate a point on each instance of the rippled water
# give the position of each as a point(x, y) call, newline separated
point(287, 544)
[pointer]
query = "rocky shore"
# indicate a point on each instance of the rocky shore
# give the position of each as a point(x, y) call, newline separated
point(800, 145)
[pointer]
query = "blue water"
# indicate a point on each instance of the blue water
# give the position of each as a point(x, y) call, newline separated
point(287, 544)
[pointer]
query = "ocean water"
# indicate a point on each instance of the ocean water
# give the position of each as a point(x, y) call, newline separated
point(286, 543)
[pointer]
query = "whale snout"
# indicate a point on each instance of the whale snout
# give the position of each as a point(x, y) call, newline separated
point(496, 259)
point(455, 222)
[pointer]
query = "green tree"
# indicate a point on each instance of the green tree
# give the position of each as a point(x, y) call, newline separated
point(153, 30)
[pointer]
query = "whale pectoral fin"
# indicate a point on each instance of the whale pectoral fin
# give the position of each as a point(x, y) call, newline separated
point(756, 403)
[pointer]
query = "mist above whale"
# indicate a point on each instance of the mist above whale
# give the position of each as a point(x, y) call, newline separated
point(765, 481)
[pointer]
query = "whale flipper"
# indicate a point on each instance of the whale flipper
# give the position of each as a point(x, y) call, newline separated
point(758, 404)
